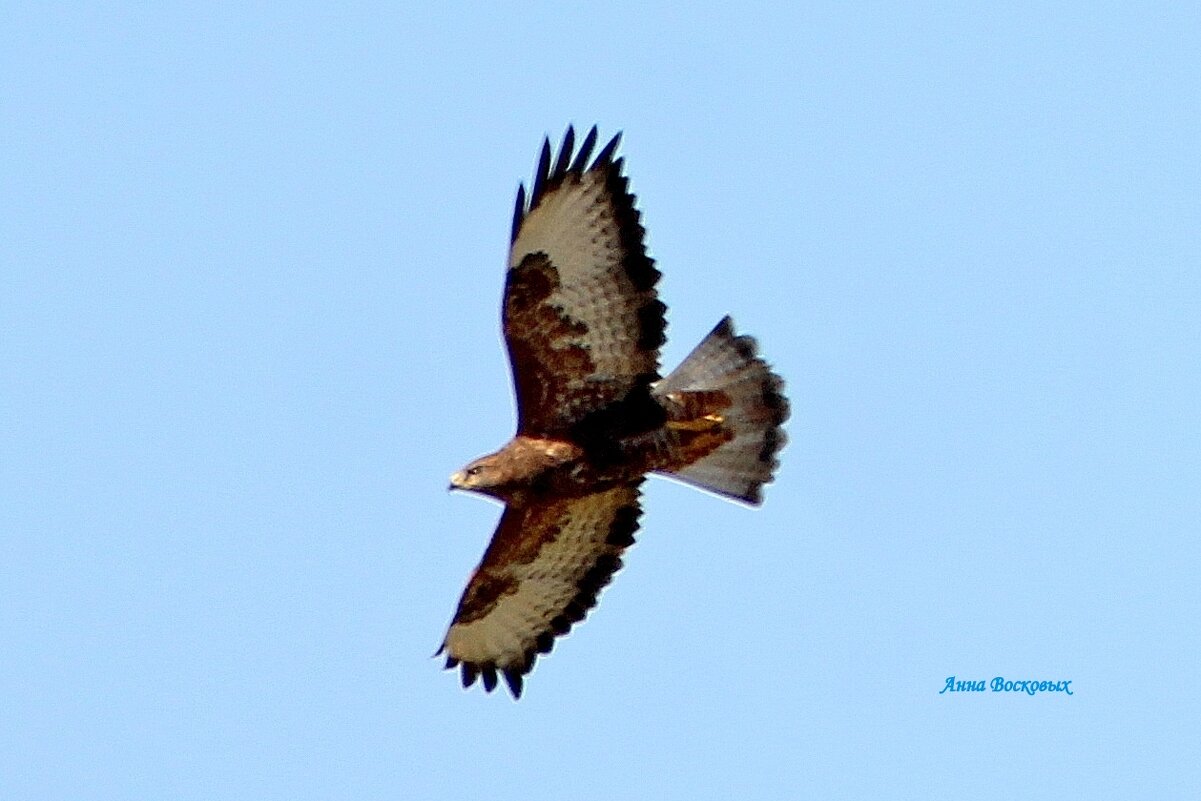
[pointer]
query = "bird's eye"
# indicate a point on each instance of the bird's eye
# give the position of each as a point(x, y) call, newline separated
point(474, 471)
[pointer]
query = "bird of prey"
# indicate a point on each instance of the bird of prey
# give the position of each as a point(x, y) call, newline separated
point(583, 325)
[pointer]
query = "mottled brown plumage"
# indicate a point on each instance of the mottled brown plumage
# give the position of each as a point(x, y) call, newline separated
point(583, 325)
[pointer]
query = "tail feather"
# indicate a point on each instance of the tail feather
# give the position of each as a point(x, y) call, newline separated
point(725, 377)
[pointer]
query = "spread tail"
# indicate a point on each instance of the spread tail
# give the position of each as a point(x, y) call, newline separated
point(725, 408)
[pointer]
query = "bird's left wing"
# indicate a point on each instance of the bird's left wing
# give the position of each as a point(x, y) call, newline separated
point(541, 574)
point(582, 320)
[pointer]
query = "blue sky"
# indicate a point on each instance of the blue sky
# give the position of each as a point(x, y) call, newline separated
point(250, 268)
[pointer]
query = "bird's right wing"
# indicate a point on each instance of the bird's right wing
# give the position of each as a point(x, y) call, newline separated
point(541, 574)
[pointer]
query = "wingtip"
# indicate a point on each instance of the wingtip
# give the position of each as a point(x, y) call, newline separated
point(564, 159)
point(585, 151)
point(469, 673)
point(514, 679)
point(518, 211)
point(488, 672)
point(541, 173)
point(606, 154)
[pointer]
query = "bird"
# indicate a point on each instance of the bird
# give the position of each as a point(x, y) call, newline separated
point(583, 325)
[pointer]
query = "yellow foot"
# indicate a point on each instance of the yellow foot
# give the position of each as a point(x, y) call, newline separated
point(709, 422)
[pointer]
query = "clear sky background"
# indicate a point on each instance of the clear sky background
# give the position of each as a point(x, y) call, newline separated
point(251, 269)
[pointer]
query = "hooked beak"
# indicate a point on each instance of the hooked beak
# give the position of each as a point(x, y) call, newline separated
point(456, 481)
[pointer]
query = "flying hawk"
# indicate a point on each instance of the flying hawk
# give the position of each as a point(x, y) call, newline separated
point(583, 325)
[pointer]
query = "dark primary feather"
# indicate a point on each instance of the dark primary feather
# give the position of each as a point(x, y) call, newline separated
point(585, 151)
point(606, 154)
point(518, 212)
point(488, 671)
point(564, 155)
point(513, 678)
point(540, 173)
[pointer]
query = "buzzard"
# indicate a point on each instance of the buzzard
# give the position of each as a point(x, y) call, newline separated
point(583, 325)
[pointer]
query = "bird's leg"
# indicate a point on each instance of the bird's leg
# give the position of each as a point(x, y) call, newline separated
point(708, 422)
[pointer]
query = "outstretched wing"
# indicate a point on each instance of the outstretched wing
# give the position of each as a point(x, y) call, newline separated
point(540, 575)
point(582, 319)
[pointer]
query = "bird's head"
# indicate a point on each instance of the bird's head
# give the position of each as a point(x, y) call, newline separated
point(520, 467)
point(482, 475)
